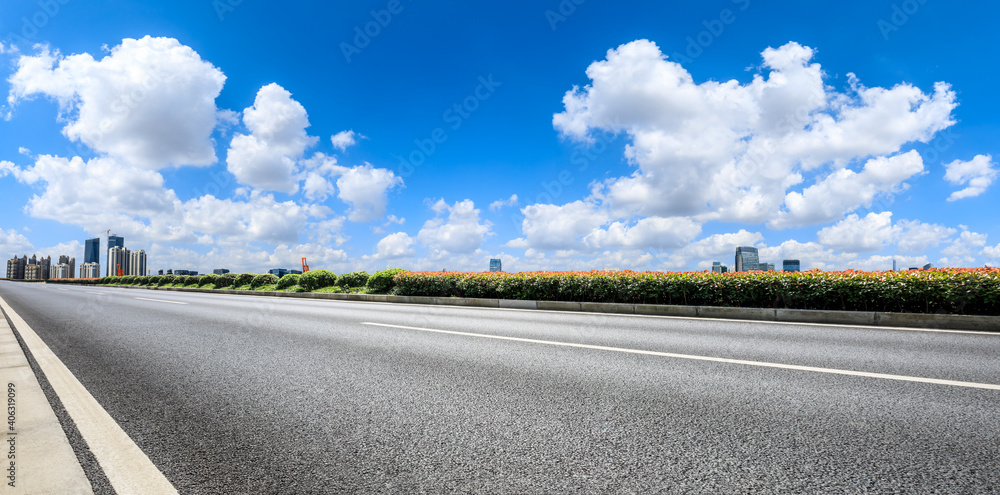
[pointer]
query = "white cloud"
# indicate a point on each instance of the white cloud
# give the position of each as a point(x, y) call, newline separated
point(649, 232)
point(979, 173)
point(149, 103)
point(12, 243)
point(266, 159)
point(856, 234)
point(460, 233)
point(961, 250)
point(549, 227)
point(500, 203)
point(345, 139)
point(730, 151)
point(366, 189)
point(716, 247)
point(915, 236)
point(394, 246)
point(846, 190)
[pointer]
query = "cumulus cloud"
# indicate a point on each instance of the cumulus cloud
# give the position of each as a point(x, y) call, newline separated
point(648, 232)
point(729, 151)
point(150, 102)
point(462, 232)
point(551, 227)
point(978, 173)
point(12, 243)
point(856, 234)
point(916, 236)
point(366, 189)
point(345, 139)
point(394, 246)
point(266, 158)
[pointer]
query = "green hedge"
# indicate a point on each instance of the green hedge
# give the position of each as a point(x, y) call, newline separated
point(225, 280)
point(353, 279)
point(962, 291)
point(381, 282)
point(290, 280)
point(262, 280)
point(210, 278)
point(317, 279)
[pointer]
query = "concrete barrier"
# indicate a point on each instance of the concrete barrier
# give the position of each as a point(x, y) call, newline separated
point(939, 321)
point(818, 316)
point(608, 308)
point(760, 314)
point(666, 310)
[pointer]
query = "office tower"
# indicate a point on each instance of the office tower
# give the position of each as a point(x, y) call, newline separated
point(928, 266)
point(746, 259)
point(117, 258)
point(220, 271)
point(495, 265)
point(114, 241)
point(718, 267)
point(893, 265)
point(92, 251)
point(90, 270)
point(136, 263)
point(791, 266)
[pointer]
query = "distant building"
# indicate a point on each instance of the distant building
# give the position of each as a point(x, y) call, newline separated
point(718, 267)
point(92, 251)
point(62, 270)
point(281, 272)
point(113, 242)
point(118, 258)
point(893, 265)
point(765, 267)
point(38, 268)
point(160, 272)
point(791, 266)
point(90, 270)
point(928, 266)
point(746, 259)
point(137, 263)
point(16, 267)
point(66, 260)
point(184, 272)
point(220, 271)
point(495, 265)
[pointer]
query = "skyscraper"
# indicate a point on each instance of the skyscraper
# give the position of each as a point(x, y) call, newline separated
point(92, 251)
point(90, 270)
point(16, 266)
point(746, 259)
point(114, 241)
point(118, 258)
point(136, 263)
point(495, 265)
point(791, 265)
point(70, 266)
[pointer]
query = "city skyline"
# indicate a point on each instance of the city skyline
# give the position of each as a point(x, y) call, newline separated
point(647, 137)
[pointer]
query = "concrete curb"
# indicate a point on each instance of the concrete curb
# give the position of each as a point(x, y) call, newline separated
point(864, 318)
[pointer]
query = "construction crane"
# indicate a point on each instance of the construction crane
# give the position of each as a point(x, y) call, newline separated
point(305, 266)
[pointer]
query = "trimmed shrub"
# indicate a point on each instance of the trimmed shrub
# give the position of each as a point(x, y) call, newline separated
point(262, 280)
point(127, 280)
point(164, 280)
point(290, 280)
point(143, 280)
point(317, 279)
point(153, 280)
point(181, 280)
point(353, 279)
point(193, 281)
point(224, 281)
point(210, 278)
point(381, 282)
point(244, 279)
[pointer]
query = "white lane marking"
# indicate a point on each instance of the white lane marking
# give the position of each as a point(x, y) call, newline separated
point(98, 293)
point(63, 289)
point(159, 300)
point(124, 463)
point(833, 371)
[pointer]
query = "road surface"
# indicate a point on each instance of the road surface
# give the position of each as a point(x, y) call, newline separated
point(237, 394)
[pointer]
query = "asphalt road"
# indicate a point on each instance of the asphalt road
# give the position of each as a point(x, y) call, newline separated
point(237, 394)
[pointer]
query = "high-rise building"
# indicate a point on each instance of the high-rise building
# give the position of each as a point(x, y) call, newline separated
point(92, 251)
point(495, 265)
point(90, 270)
point(765, 267)
point(113, 242)
point(118, 258)
point(136, 263)
point(219, 271)
point(791, 265)
point(746, 259)
point(928, 266)
point(718, 267)
point(62, 270)
point(16, 266)
point(71, 263)
point(894, 265)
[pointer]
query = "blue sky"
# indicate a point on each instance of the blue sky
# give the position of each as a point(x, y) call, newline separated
point(554, 135)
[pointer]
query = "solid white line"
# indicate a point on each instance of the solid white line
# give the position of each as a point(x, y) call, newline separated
point(159, 300)
point(706, 358)
point(98, 293)
point(125, 464)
